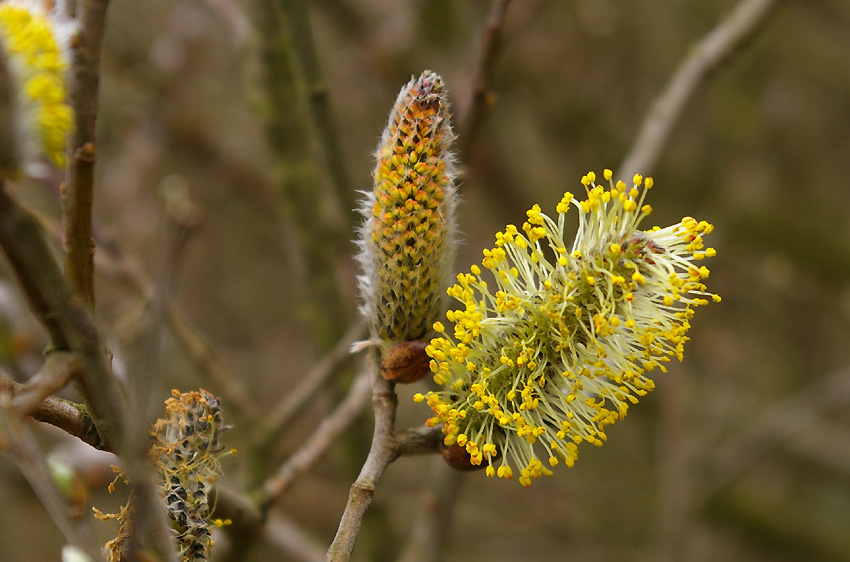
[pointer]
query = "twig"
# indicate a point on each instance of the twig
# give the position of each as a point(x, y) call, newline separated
point(319, 232)
point(20, 445)
point(383, 451)
point(308, 73)
point(716, 48)
point(287, 536)
point(84, 78)
point(66, 318)
point(70, 417)
point(297, 398)
point(149, 528)
point(319, 442)
point(208, 364)
point(777, 425)
point(432, 526)
point(481, 102)
point(58, 370)
point(114, 262)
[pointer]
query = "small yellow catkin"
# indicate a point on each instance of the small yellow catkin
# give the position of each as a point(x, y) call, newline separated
point(34, 116)
point(407, 240)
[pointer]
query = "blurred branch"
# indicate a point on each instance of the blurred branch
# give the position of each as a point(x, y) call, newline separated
point(70, 417)
point(325, 435)
point(65, 317)
point(305, 63)
point(84, 78)
point(432, 527)
point(381, 454)
point(149, 529)
point(482, 100)
point(112, 261)
point(318, 218)
point(777, 425)
point(208, 364)
point(58, 370)
point(18, 443)
point(297, 398)
point(287, 536)
point(718, 47)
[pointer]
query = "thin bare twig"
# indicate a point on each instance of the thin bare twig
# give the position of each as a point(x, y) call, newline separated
point(208, 364)
point(325, 435)
point(491, 42)
point(297, 398)
point(287, 536)
point(715, 49)
point(58, 370)
point(432, 526)
point(149, 529)
point(17, 442)
point(66, 319)
point(777, 425)
point(112, 261)
point(83, 82)
point(70, 417)
point(308, 72)
point(383, 452)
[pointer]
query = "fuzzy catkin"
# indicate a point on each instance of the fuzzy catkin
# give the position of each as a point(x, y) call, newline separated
point(407, 240)
point(34, 116)
point(186, 451)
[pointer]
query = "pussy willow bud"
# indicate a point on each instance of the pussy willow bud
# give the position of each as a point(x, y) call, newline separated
point(407, 240)
point(34, 116)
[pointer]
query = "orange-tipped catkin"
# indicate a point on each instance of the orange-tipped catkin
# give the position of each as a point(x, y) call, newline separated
point(407, 240)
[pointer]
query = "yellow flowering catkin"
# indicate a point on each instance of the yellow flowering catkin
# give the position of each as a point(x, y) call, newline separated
point(559, 342)
point(35, 66)
point(406, 242)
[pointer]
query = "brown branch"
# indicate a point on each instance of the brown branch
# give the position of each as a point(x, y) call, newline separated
point(718, 47)
point(113, 262)
point(18, 443)
point(384, 451)
point(308, 72)
point(209, 366)
point(432, 526)
point(482, 100)
point(325, 435)
point(70, 417)
point(422, 440)
point(777, 425)
point(297, 398)
point(58, 370)
point(287, 536)
point(84, 78)
point(66, 319)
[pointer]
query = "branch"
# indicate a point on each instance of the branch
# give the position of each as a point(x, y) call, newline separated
point(716, 48)
point(297, 398)
point(777, 425)
point(208, 364)
point(482, 100)
point(384, 450)
point(287, 536)
point(84, 78)
point(116, 264)
point(66, 319)
point(308, 72)
point(325, 435)
point(19, 444)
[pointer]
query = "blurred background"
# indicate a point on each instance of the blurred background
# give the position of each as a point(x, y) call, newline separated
point(743, 451)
